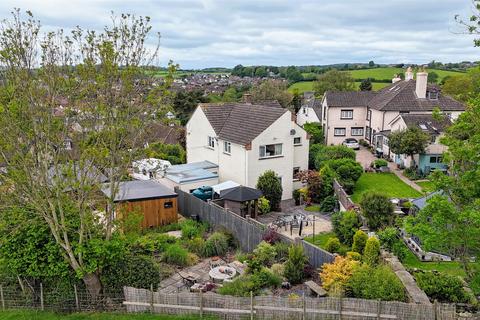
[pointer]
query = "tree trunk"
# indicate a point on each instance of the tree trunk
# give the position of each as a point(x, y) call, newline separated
point(93, 284)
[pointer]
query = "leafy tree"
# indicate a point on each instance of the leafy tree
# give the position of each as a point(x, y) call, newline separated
point(296, 101)
point(295, 264)
point(411, 141)
point(171, 152)
point(359, 241)
point(366, 85)
point(185, 102)
point(230, 95)
point(269, 184)
point(100, 80)
point(293, 74)
point(463, 87)
point(345, 225)
point(371, 64)
point(388, 237)
point(432, 77)
point(378, 209)
point(312, 154)
point(334, 80)
point(272, 90)
point(472, 23)
point(442, 287)
point(348, 172)
point(333, 153)
point(371, 253)
point(261, 72)
point(315, 130)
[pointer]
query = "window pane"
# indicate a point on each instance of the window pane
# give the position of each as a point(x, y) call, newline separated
point(262, 151)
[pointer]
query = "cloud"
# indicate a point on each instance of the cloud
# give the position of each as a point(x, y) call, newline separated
point(205, 33)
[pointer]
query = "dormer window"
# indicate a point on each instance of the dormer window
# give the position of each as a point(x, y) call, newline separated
point(433, 95)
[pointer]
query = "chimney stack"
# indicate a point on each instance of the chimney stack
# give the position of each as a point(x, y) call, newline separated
point(409, 74)
point(247, 98)
point(421, 87)
point(396, 78)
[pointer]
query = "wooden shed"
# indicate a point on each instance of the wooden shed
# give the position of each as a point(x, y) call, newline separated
point(157, 202)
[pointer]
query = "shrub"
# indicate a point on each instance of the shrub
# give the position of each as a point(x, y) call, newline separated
point(216, 245)
point(352, 255)
point(271, 236)
point(335, 275)
point(296, 196)
point(345, 224)
point(295, 264)
point(412, 174)
point(132, 270)
point(263, 205)
point(329, 204)
point(152, 243)
point(312, 154)
point(175, 254)
point(196, 245)
point(192, 229)
point(348, 171)
point(281, 249)
point(333, 245)
point(371, 254)
point(359, 240)
point(378, 209)
point(265, 278)
point(332, 153)
point(388, 237)
point(400, 250)
point(378, 163)
point(277, 269)
point(270, 185)
point(376, 283)
point(265, 253)
point(442, 287)
point(240, 256)
point(239, 287)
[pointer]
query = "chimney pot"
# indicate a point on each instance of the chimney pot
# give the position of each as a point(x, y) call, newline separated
point(409, 74)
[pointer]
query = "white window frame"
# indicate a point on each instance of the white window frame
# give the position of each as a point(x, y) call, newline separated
point(369, 114)
point(263, 151)
point(359, 129)
point(211, 142)
point(339, 135)
point(297, 143)
point(346, 114)
point(227, 147)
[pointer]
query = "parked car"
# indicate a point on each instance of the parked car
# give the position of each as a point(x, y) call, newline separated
point(351, 143)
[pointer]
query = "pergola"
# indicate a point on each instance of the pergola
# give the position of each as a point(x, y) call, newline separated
point(242, 200)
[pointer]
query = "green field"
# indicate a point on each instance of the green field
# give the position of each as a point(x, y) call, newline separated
point(308, 86)
point(387, 183)
point(36, 315)
point(388, 73)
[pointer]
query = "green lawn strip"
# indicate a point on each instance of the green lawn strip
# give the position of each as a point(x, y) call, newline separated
point(314, 208)
point(427, 186)
point(387, 73)
point(37, 315)
point(322, 238)
point(308, 86)
point(387, 183)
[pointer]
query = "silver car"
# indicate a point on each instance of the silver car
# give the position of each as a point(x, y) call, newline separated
point(351, 143)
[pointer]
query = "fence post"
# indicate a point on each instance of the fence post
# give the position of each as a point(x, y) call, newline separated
point(1, 297)
point(151, 298)
point(41, 297)
point(201, 304)
point(379, 309)
point(304, 314)
point(340, 308)
point(435, 309)
point(77, 303)
point(251, 305)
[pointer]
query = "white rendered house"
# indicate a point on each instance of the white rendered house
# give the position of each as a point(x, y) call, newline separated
point(311, 110)
point(245, 140)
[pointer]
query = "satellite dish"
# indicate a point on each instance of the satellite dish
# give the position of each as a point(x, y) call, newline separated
point(292, 132)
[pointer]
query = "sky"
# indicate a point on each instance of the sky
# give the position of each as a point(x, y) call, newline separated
point(215, 33)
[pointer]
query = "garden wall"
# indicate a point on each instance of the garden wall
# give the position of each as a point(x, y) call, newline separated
point(248, 232)
point(342, 196)
point(279, 308)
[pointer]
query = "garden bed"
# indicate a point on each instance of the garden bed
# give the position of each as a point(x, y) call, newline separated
point(387, 183)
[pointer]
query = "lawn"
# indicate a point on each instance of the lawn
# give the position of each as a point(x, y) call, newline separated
point(308, 86)
point(314, 208)
point(36, 315)
point(388, 73)
point(387, 183)
point(322, 238)
point(427, 186)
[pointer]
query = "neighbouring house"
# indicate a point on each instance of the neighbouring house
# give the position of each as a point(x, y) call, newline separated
point(311, 110)
point(364, 114)
point(245, 140)
point(159, 132)
point(156, 202)
point(432, 158)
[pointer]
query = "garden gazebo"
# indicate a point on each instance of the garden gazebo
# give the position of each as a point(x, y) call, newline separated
point(241, 200)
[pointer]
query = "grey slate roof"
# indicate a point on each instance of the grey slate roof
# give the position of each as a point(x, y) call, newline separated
point(241, 122)
point(240, 194)
point(426, 120)
point(139, 190)
point(399, 96)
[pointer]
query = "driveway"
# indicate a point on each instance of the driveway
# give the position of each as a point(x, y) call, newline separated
point(365, 157)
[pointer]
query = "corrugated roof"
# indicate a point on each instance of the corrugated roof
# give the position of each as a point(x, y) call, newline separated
point(139, 190)
point(241, 122)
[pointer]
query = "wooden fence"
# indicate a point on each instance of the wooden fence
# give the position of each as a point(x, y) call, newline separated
point(280, 308)
point(247, 231)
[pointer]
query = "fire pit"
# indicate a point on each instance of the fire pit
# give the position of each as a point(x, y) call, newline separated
point(219, 274)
